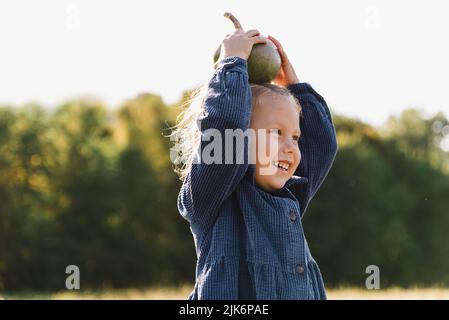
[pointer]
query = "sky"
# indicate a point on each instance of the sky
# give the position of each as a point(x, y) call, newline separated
point(368, 59)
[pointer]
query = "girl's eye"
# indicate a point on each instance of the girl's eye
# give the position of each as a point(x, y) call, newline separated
point(275, 131)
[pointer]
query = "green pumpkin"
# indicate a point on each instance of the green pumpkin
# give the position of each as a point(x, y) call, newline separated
point(264, 62)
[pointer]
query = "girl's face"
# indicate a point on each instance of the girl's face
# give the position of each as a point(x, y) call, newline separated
point(276, 121)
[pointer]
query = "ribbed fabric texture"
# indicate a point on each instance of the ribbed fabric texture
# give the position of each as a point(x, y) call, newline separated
point(249, 242)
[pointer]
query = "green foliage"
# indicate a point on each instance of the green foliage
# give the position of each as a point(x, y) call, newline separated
point(383, 203)
point(88, 186)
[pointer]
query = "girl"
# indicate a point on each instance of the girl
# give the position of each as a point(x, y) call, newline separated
point(246, 224)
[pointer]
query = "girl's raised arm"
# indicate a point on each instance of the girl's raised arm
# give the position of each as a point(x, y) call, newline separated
point(227, 105)
point(318, 142)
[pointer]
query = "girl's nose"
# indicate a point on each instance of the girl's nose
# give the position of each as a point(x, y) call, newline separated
point(288, 146)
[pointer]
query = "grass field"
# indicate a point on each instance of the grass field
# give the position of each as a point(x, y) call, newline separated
point(183, 291)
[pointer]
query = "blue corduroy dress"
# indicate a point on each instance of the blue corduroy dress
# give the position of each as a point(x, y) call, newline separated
point(250, 243)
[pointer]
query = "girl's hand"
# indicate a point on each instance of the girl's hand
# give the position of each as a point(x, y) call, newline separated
point(287, 74)
point(240, 43)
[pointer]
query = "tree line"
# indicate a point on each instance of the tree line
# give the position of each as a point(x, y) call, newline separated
point(86, 185)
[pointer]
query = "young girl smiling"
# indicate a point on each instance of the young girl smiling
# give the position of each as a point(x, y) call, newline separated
point(246, 224)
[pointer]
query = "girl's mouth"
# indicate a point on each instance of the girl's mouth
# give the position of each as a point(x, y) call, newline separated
point(281, 165)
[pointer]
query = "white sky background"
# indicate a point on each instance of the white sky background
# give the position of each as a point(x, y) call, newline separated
point(369, 59)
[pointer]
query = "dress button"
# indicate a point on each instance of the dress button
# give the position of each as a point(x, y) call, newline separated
point(299, 269)
point(293, 216)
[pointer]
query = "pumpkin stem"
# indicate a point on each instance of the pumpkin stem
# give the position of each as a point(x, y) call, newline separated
point(234, 20)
